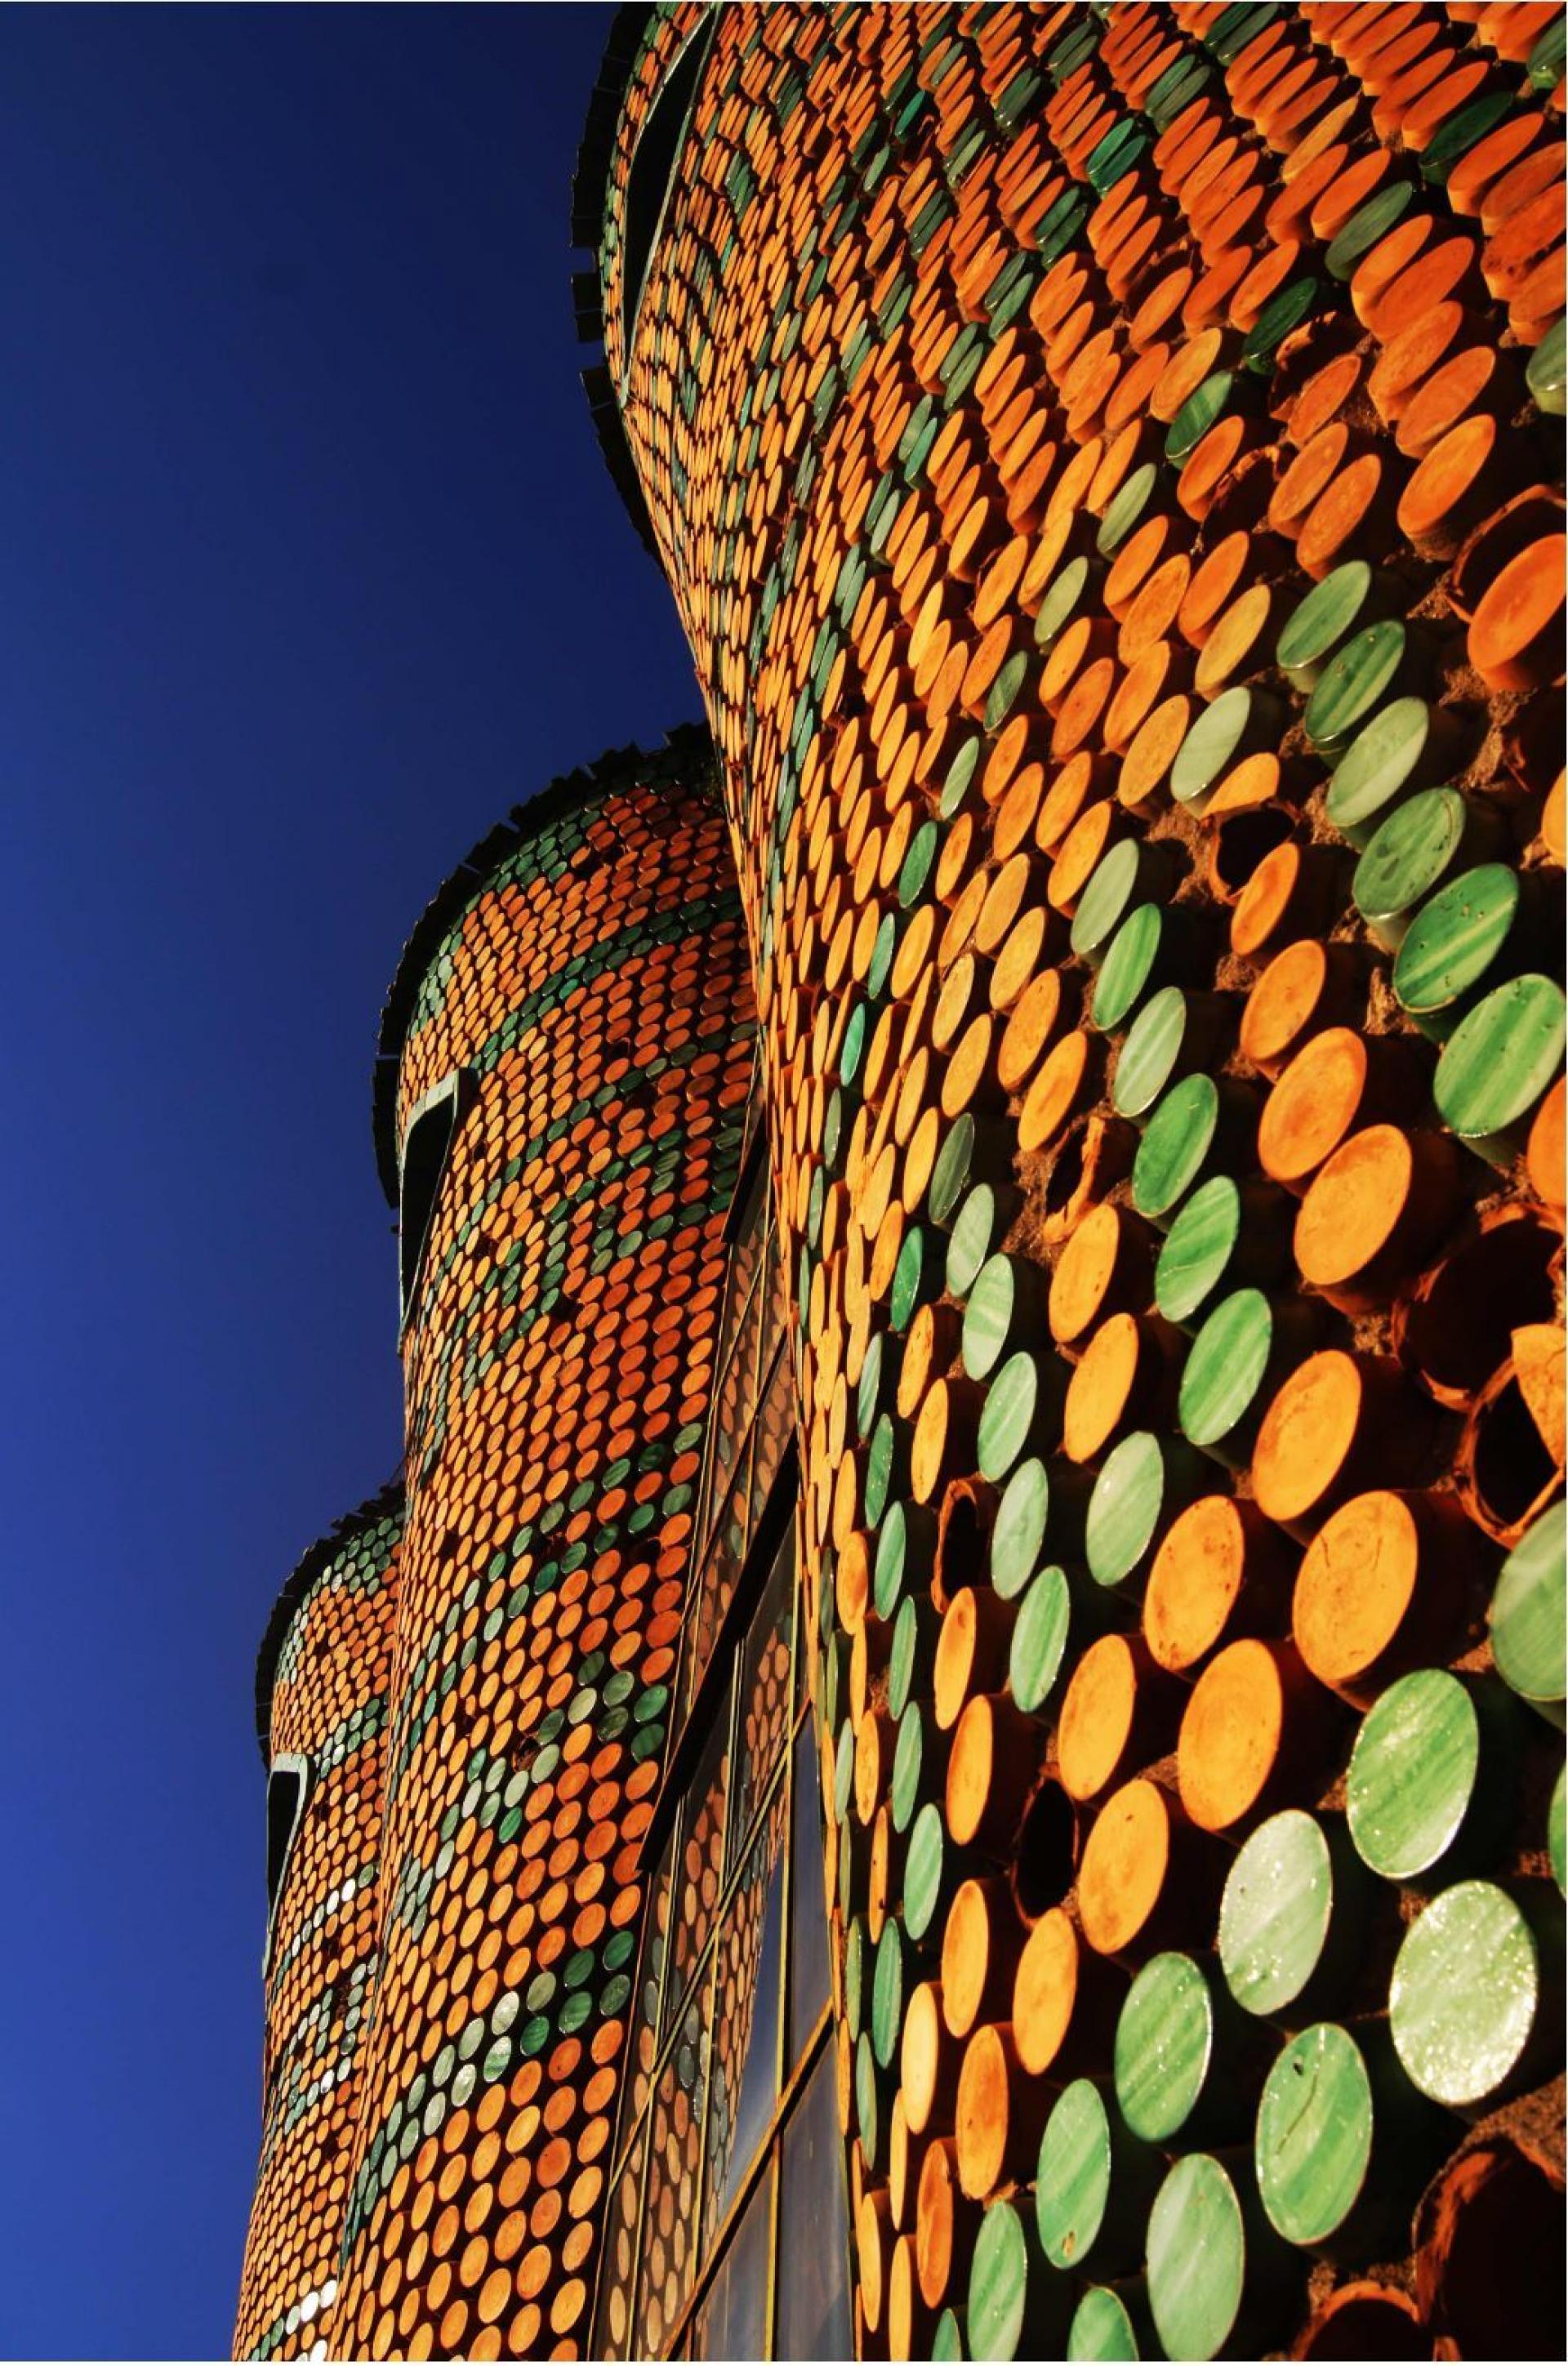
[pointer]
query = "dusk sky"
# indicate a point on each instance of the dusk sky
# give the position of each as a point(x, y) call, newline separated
point(315, 571)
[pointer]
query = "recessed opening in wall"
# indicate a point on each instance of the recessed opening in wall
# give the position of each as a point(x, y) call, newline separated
point(288, 1781)
point(426, 1146)
point(652, 169)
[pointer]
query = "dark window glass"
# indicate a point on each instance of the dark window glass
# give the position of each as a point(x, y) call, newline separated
point(286, 1788)
point(764, 1701)
point(814, 2285)
point(699, 1858)
point(774, 1424)
point(721, 1574)
point(745, 2083)
point(652, 170)
point(425, 1149)
point(775, 1309)
point(612, 2317)
point(733, 2319)
point(668, 2264)
point(810, 1976)
point(655, 1942)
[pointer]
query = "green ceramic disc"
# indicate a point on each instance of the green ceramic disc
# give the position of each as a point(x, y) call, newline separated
point(1074, 2180)
point(914, 1277)
point(909, 1765)
point(1009, 1415)
point(1005, 691)
point(1039, 1641)
point(914, 875)
point(1461, 132)
point(1124, 1509)
point(1407, 856)
point(1165, 2036)
point(923, 1870)
point(1314, 2143)
point(884, 1457)
point(991, 1316)
point(1317, 627)
point(887, 1568)
point(1546, 374)
point(1101, 2326)
point(1066, 593)
point(1113, 158)
point(1176, 1143)
point(1378, 767)
point(1464, 1995)
point(1366, 225)
point(1412, 1773)
point(1210, 748)
point(1454, 940)
point(1501, 1058)
point(1274, 1915)
point(1129, 964)
point(1197, 2259)
point(1202, 407)
point(887, 1993)
point(1354, 685)
point(868, 2100)
point(1125, 509)
point(969, 1244)
point(947, 2341)
point(1148, 1058)
point(1106, 899)
point(1198, 1249)
point(1529, 1616)
point(1017, 1533)
point(952, 1169)
point(1556, 1833)
point(902, 1654)
point(998, 2283)
point(960, 775)
point(1224, 1369)
point(1281, 315)
point(1545, 62)
point(854, 1975)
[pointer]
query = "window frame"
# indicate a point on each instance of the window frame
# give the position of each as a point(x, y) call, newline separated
point(455, 1092)
point(699, 37)
point(294, 1763)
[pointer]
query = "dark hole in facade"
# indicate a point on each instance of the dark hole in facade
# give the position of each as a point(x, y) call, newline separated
point(1047, 1850)
point(424, 1160)
point(285, 1798)
point(652, 167)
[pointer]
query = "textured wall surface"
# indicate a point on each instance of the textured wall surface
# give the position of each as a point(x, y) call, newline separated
point(586, 972)
point(325, 1679)
point(1108, 465)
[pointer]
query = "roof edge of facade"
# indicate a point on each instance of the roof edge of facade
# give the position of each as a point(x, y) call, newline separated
point(589, 189)
point(297, 1584)
point(617, 768)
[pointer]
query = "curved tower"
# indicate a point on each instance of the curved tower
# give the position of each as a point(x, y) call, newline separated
point(321, 1698)
point(565, 1061)
point(1109, 466)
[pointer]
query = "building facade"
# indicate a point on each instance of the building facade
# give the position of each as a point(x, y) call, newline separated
point(1107, 463)
point(951, 1744)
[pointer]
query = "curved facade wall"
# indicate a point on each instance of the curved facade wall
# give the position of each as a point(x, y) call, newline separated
point(323, 1695)
point(581, 985)
point(1108, 465)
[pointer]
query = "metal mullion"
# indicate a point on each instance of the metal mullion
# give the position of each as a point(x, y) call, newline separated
point(638, 2227)
point(809, 2055)
point(699, 2194)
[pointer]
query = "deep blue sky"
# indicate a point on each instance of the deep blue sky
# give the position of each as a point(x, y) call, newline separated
point(312, 570)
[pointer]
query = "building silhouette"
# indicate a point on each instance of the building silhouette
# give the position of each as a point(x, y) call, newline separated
point(950, 1744)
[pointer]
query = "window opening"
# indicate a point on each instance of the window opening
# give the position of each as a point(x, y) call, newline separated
point(288, 1786)
point(426, 1146)
point(652, 172)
